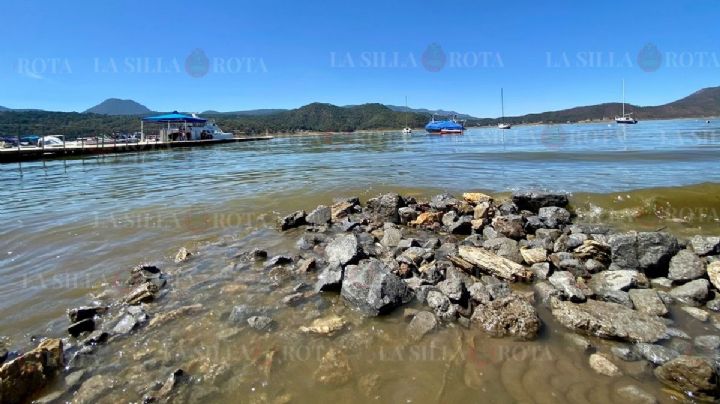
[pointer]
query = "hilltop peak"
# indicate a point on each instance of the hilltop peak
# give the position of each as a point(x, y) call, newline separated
point(116, 106)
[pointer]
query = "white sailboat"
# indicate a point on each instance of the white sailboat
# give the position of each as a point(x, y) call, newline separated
point(407, 130)
point(503, 124)
point(625, 118)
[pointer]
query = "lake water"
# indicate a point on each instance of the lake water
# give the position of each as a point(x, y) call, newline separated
point(72, 227)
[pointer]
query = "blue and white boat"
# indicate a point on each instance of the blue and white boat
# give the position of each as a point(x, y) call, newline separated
point(445, 127)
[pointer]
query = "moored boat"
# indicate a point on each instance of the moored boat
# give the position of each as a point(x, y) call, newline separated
point(446, 126)
point(625, 118)
point(502, 124)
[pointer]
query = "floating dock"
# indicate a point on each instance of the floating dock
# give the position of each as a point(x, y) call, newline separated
point(75, 149)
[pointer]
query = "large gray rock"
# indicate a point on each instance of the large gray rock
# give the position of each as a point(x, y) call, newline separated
point(391, 237)
point(691, 375)
point(608, 320)
point(385, 207)
point(624, 280)
point(330, 278)
point(693, 293)
point(654, 250)
point(442, 305)
point(343, 249)
point(533, 200)
point(373, 289)
point(648, 301)
point(505, 247)
point(705, 245)
point(512, 316)
point(407, 215)
point(443, 202)
point(554, 216)
point(623, 250)
point(457, 224)
point(567, 285)
point(320, 216)
point(686, 266)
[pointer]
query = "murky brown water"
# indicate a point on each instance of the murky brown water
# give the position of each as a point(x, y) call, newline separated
point(73, 228)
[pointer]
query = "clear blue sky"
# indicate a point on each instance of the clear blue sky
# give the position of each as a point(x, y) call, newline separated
point(284, 54)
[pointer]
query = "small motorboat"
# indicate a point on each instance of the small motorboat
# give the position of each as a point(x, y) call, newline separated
point(406, 131)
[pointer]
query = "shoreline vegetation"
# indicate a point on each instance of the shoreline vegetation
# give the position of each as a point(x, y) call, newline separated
point(486, 264)
point(323, 117)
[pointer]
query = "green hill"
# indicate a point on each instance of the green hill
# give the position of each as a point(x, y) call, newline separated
point(116, 106)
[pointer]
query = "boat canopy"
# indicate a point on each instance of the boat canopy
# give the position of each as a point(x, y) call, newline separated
point(174, 117)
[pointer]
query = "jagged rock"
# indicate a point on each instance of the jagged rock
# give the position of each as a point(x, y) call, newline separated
point(504, 247)
point(413, 256)
point(334, 368)
point(325, 326)
point(686, 266)
point(544, 292)
point(407, 215)
point(654, 251)
point(693, 293)
point(533, 200)
point(260, 323)
point(510, 226)
point(391, 237)
point(567, 285)
point(306, 265)
point(551, 234)
point(591, 249)
point(691, 375)
point(278, 260)
point(608, 320)
point(533, 255)
point(385, 207)
point(142, 294)
point(453, 288)
point(479, 293)
point(182, 255)
point(698, 314)
point(554, 216)
point(648, 301)
point(442, 306)
point(476, 197)
point(342, 207)
point(406, 243)
point(308, 240)
point(82, 326)
point(594, 266)
point(507, 208)
point(533, 224)
point(713, 272)
point(372, 288)
point(541, 270)
point(623, 250)
point(330, 278)
point(624, 280)
point(127, 323)
point(422, 323)
point(457, 224)
point(343, 250)
point(320, 216)
point(23, 376)
point(508, 316)
point(85, 312)
point(427, 219)
point(615, 296)
point(602, 365)
point(705, 245)
point(295, 219)
point(443, 202)
point(655, 354)
point(481, 211)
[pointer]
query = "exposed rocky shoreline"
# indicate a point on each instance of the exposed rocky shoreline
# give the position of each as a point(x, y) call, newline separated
point(462, 259)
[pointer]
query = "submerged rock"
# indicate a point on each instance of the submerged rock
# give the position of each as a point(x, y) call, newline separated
point(260, 323)
point(82, 326)
point(325, 326)
point(85, 312)
point(601, 364)
point(334, 368)
point(608, 320)
point(182, 255)
point(655, 354)
point(372, 288)
point(508, 316)
point(690, 375)
point(422, 323)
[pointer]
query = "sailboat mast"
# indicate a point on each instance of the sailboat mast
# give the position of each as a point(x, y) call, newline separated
point(406, 112)
point(502, 105)
point(623, 82)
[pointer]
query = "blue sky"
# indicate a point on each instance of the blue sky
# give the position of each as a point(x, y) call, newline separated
point(237, 55)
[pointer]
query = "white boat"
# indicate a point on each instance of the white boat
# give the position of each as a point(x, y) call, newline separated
point(406, 130)
point(502, 124)
point(625, 118)
point(50, 141)
point(182, 127)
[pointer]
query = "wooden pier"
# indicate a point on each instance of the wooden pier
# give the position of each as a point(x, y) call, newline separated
point(74, 149)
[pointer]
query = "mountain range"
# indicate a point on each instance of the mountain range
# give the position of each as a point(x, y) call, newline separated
point(123, 115)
